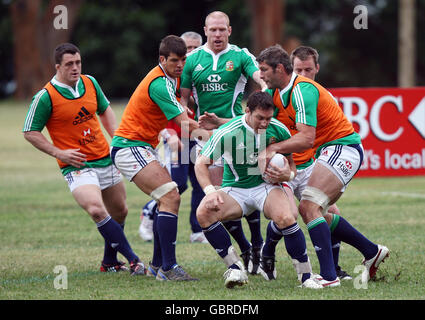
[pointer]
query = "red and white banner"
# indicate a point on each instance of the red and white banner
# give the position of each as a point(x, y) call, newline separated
point(391, 122)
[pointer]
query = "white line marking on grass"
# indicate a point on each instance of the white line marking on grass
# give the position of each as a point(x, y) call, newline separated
point(405, 194)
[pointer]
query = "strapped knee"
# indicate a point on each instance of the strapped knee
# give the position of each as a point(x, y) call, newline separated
point(161, 191)
point(316, 196)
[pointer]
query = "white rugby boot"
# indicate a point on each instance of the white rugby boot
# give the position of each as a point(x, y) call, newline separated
point(373, 264)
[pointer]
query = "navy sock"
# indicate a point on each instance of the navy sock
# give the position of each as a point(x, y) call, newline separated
point(254, 222)
point(336, 244)
point(321, 238)
point(194, 224)
point(235, 229)
point(149, 209)
point(109, 253)
point(218, 237)
point(157, 255)
point(113, 234)
point(343, 230)
point(273, 236)
point(296, 246)
point(197, 196)
point(166, 226)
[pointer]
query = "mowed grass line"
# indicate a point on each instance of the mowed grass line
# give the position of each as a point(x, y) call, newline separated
point(41, 227)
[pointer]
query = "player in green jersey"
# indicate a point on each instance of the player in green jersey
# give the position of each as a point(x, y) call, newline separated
point(243, 190)
point(320, 124)
point(69, 106)
point(305, 61)
point(179, 169)
point(216, 73)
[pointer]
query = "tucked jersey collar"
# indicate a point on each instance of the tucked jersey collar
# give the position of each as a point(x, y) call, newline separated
point(216, 56)
point(75, 92)
point(173, 80)
point(285, 92)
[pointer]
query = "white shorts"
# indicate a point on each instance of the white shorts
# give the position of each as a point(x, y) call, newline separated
point(131, 160)
point(102, 177)
point(343, 160)
point(251, 199)
point(300, 181)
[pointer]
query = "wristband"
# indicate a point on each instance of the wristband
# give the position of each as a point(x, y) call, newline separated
point(209, 189)
point(165, 134)
point(291, 176)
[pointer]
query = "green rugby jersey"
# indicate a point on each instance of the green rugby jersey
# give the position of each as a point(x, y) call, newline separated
point(218, 80)
point(41, 108)
point(239, 145)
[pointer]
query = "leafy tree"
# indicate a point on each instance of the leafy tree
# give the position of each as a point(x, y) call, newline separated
point(119, 39)
point(349, 56)
point(35, 38)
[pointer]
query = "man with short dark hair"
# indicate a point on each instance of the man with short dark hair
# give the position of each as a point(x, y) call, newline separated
point(177, 158)
point(155, 102)
point(320, 126)
point(67, 106)
point(305, 61)
point(244, 190)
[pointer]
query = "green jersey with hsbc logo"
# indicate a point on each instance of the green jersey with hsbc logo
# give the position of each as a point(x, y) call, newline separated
point(239, 145)
point(218, 80)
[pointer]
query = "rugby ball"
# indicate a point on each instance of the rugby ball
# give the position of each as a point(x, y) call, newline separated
point(279, 160)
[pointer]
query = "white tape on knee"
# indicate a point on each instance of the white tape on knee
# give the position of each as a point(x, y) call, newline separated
point(325, 209)
point(161, 191)
point(315, 195)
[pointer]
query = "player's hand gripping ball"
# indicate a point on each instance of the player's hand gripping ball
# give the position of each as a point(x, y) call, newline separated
point(279, 161)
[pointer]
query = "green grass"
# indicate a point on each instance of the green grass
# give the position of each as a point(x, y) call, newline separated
point(42, 227)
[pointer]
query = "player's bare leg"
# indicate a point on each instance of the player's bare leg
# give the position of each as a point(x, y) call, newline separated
point(214, 208)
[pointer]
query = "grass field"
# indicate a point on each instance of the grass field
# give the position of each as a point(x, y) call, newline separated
point(41, 227)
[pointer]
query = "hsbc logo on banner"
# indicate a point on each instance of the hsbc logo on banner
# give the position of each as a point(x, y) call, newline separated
point(391, 123)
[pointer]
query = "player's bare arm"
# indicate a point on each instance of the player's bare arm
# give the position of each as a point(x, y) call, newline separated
point(257, 78)
point(185, 123)
point(191, 128)
point(185, 96)
point(109, 121)
point(299, 142)
point(70, 156)
point(210, 121)
point(213, 198)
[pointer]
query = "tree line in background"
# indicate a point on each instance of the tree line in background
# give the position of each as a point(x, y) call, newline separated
point(119, 39)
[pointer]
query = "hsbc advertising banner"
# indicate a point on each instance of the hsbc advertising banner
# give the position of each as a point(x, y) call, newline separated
point(391, 122)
